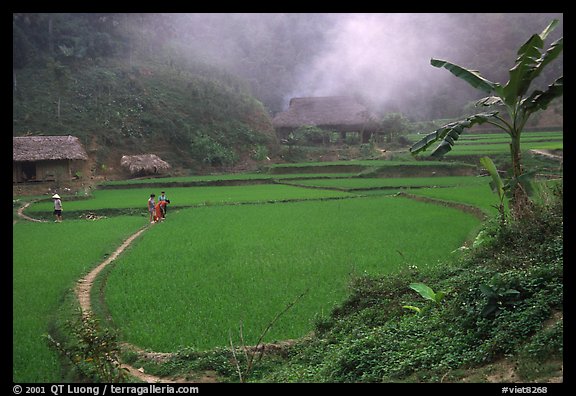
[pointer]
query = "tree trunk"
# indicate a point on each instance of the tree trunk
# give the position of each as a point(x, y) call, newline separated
point(520, 202)
point(515, 155)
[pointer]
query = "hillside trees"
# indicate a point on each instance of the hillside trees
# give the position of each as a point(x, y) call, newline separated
point(96, 76)
point(270, 52)
point(146, 108)
point(65, 37)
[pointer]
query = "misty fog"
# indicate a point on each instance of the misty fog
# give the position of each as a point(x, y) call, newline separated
point(382, 58)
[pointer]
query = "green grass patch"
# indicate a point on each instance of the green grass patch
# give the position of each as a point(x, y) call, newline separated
point(375, 183)
point(496, 148)
point(504, 138)
point(191, 280)
point(223, 179)
point(135, 198)
point(479, 195)
point(372, 338)
point(355, 165)
point(498, 143)
point(47, 260)
point(188, 179)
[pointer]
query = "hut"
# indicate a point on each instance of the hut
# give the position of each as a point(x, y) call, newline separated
point(336, 113)
point(46, 158)
point(144, 164)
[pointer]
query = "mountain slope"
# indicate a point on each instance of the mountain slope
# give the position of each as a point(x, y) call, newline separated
point(191, 118)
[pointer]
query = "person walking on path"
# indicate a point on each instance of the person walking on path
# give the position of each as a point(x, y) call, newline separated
point(162, 198)
point(57, 208)
point(152, 207)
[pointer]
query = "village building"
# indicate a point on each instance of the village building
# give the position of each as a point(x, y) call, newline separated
point(47, 158)
point(341, 114)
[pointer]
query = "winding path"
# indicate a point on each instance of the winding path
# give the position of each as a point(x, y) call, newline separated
point(84, 286)
point(22, 215)
point(82, 291)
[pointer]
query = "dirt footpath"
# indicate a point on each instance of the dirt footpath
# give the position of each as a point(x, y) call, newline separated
point(82, 292)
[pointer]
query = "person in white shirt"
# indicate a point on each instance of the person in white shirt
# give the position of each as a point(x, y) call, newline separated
point(57, 208)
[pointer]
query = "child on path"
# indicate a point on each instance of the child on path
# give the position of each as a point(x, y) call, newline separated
point(161, 198)
point(151, 207)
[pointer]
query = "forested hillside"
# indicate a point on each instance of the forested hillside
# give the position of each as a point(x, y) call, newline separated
point(200, 89)
point(186, 118)
point(77, 80)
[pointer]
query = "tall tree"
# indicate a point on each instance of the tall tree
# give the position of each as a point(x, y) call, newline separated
point(513, 97)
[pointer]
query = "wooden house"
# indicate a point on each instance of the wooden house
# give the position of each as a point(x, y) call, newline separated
point(335, 113)
point(46, 158)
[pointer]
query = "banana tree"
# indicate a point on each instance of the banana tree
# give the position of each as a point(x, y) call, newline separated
point(518, 106)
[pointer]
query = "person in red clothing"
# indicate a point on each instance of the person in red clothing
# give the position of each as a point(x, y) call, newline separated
point(160, 206)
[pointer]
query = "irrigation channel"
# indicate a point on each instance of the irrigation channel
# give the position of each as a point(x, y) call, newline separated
point(84, 287)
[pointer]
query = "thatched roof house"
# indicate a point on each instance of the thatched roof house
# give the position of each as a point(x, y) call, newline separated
point(336, 113)
point(144, 164)
point(46, 158)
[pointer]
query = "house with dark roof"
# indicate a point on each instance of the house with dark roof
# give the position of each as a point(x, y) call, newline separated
point(46, 158)
point(335, 113)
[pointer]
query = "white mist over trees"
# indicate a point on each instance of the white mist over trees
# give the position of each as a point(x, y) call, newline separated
point(382, 58)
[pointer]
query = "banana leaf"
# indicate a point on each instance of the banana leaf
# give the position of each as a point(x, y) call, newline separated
point(449, 133)
point(539, 100)
point(424, 290)
point(497, 184)
point(530, 63)
point(472, 77)
point(427, 293)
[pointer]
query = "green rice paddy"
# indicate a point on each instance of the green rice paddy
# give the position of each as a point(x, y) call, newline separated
point(367, 183)
point(481, 144)
point(47, 260)
point(192, 279)
point(231, 256)
point(190, 196)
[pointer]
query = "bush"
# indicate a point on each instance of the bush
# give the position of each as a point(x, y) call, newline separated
point(92, 350)
point(310, 134)
point(210, 152)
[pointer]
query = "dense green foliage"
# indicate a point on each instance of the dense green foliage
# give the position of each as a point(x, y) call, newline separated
point(71, 76)
point(185, 118)
point(371, 338)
